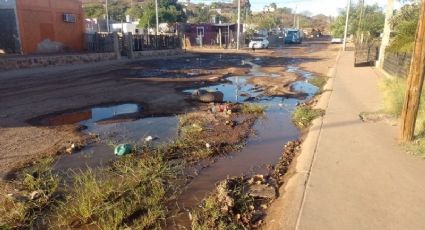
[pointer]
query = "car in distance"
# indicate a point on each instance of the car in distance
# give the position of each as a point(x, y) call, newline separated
point(336, 40)
point(293, 36)
point(259, 43)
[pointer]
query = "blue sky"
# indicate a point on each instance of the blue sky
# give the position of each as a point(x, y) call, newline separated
point(327, 7)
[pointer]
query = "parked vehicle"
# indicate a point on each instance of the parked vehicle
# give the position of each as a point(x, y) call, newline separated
point(259, 43)
point(336, 41)
point(293, 36)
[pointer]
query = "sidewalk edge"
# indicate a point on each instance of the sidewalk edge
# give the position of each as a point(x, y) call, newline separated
point(290, 204)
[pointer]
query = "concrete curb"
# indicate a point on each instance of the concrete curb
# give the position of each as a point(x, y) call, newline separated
point(285, 212)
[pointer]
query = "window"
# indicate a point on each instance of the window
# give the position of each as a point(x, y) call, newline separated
point(70, 18)
point(200, 31)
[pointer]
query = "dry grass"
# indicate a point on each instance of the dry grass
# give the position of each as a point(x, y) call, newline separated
point(31, 195)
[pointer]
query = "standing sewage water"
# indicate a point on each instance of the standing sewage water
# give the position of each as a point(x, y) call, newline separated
point(111, 124)
point(126, 123)
point(264, 148)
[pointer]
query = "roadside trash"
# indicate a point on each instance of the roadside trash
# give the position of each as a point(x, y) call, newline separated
point(148, 138)
point(71, 149)
point(36, 194)
point(231, 123)
point(208, 145)
point(123, 149)
point(280, 105)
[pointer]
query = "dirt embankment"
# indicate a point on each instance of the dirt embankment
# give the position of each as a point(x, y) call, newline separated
point(155, 84)
point(276, 86)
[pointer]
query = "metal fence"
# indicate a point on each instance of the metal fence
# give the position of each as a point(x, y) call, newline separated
point(397, 64)
point(366, 53)
point(99, 42)
point(155, 42)
point(126, 43)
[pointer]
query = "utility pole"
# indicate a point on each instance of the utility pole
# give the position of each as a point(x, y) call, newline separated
point(239, 25)
point(344, 46)
point(387, 32)
point(157, 18)
point(295, 17)
point(107, 17)
point(415, 82)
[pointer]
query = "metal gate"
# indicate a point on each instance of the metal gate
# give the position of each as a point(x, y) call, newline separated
point(366, 54)
point(9, 38)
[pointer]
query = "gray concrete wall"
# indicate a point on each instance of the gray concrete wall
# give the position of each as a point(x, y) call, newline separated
point(7, 4)
point(9, 30)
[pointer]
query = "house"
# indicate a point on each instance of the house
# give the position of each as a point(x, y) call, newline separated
point(210, 33)
point(41, 26)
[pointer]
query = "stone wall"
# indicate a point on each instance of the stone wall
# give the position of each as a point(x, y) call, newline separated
point(22, 62)
point(157, 53)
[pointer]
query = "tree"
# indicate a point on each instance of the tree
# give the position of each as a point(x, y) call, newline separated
point(134, 12)
point(94, 10)
point(369, 19)
point(168, 11)
point(200, 14)
point(117, 10)
point(404, 24)
point(273, 6)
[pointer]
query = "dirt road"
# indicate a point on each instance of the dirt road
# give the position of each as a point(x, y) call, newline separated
point(156, 85)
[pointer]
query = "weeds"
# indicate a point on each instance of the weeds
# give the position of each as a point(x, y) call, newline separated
point(304, 115)
point(251, 108)
point(33, 193)
point(132, 193)
point(319, 82)
point(393, 91)
point(229, 207)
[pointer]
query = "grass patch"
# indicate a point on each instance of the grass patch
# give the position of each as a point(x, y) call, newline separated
point(252, 108)
point(228, 207)
point(319, 82)
point(32, 194)
point(304, 115)
point(132, 193)
point(417, 147)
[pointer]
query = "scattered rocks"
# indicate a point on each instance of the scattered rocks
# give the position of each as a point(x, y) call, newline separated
point(207, 97)
point(262, 191)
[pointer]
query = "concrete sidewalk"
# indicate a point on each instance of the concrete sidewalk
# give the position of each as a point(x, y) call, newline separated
point(361, 178)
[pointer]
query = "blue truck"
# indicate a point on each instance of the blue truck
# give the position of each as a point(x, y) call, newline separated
point(293, 36)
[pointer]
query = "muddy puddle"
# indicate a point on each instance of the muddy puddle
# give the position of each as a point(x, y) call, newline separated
point(262, 149)
point(125, 123)
point(122, 123)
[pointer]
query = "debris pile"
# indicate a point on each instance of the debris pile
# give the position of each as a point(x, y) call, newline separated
point(241, 202)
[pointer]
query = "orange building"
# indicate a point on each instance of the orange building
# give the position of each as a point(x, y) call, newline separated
point(49, 25)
